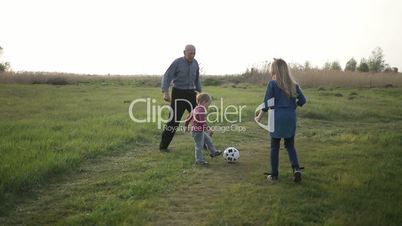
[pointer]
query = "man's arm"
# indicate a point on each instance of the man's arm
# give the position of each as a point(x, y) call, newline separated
point(167, 79)
point(197, 81)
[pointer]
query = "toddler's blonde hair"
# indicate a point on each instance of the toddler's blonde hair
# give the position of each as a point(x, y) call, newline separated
point(203, 97)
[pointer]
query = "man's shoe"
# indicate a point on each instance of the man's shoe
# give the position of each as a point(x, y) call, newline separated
point(164, 150)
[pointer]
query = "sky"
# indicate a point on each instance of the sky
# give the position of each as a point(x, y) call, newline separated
point(145, 36)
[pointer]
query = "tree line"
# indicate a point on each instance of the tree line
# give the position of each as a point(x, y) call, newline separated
point(374, 63)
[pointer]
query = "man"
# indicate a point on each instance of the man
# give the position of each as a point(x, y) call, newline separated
point(185, 74)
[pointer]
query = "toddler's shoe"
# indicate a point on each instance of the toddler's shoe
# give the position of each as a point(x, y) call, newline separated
point(217, 153)
point(202, 163)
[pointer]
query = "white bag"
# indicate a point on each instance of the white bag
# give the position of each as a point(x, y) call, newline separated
point(271, 120)
point(271, 115)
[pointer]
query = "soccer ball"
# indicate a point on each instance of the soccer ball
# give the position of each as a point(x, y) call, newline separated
point(231, 154)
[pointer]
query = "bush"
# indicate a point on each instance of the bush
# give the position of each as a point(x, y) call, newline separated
point(57, 81)
point(211, 82)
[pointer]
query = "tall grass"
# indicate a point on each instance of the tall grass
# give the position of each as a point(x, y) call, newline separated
point(347, 79)
point(309, 78)
point(55, 78)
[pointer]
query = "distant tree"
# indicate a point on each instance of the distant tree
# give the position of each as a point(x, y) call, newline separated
point(327, 66)
point(388, 70)
point(351, 65)
point(307, 65)
point(363, 66)
point(376, 60)
point(4, 66)
point(335, 66)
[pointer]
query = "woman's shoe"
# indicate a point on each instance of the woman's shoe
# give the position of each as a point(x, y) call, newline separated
point(297, 176)
point(271, 178)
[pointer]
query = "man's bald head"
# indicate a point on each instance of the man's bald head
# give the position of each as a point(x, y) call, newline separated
point(189, 47)
point(189, 52)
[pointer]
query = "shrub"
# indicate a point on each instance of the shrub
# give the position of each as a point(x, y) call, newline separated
point(57, 81)
point(211, 82)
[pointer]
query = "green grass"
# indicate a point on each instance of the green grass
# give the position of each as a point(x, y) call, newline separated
point(70, 155)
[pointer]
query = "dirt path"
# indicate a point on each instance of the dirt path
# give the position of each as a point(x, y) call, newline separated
point(191, 202)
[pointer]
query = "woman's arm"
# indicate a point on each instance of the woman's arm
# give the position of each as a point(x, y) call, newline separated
point(301, 99)
point(269, 93)
point(259, 116)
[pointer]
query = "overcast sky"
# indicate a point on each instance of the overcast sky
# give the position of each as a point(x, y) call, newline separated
point(145, 36)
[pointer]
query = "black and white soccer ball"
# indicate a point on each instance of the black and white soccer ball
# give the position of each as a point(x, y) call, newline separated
point(231, 154)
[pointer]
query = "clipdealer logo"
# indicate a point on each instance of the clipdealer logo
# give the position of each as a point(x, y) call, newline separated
point(147, 110)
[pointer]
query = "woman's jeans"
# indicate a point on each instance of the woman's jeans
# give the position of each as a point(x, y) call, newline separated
point(290, 147)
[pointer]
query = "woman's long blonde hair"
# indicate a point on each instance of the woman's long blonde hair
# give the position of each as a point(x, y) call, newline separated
point(284, 79)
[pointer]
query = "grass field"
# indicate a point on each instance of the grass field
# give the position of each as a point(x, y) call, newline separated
point(70, 155)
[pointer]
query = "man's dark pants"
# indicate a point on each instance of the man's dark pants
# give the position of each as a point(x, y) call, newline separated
point(178, 105)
